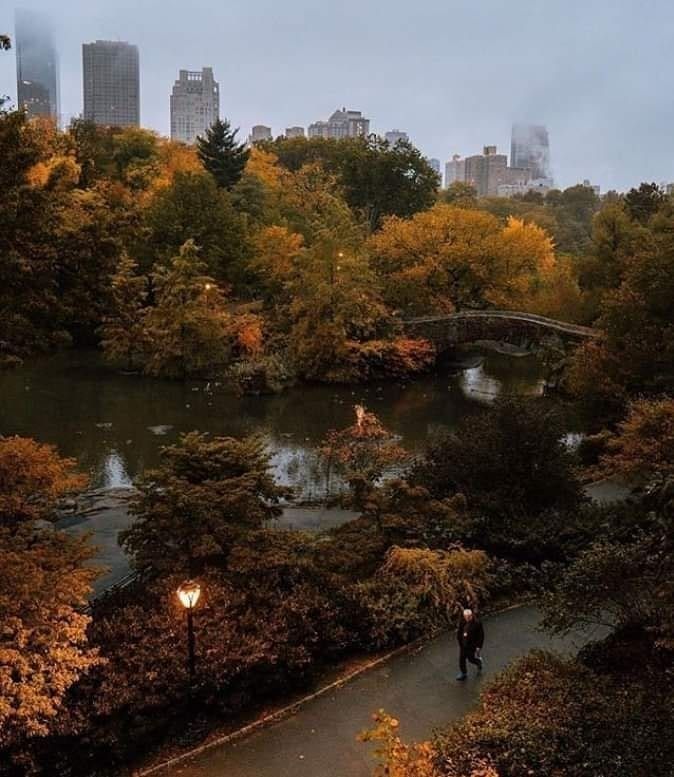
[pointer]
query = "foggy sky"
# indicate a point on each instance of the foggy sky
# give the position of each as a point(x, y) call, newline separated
point(454, 74)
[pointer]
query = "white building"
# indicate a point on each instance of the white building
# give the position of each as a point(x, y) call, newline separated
point(195, 104)
point(455, 170)
point(342, 124)
point(259, 132)
point(540, 185)
point(294, 132)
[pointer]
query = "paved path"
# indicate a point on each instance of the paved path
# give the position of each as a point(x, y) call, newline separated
point(418, 688)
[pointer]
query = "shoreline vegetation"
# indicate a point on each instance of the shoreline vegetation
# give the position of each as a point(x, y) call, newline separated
point(145, 248)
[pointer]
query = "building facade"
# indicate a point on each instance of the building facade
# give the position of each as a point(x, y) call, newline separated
point(195, 104)
point(37, 71)
point(342, 124)
point(393, 136)
point(294, 132)
point(111, 81)
point(455, 170)
point(259, 132)
point(530, 150)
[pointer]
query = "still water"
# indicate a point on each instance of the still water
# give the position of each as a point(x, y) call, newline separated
point(115, 424)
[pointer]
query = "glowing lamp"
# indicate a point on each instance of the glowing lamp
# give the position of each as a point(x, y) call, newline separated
point(189, 593)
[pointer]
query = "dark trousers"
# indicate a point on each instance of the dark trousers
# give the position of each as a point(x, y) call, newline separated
point(467, 655)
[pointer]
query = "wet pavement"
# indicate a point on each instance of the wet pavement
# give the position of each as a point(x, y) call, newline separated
point(418, 688)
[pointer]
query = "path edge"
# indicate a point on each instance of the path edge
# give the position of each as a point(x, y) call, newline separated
point(290, 709)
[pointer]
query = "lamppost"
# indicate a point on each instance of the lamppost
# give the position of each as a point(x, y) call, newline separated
point(188, 594)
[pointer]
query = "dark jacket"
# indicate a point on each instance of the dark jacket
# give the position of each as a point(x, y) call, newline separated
point(470, 634)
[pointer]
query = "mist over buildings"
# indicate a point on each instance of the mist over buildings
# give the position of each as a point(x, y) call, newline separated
point(453, 74)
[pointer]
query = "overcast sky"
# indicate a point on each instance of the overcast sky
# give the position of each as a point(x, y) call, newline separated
point(454, 74)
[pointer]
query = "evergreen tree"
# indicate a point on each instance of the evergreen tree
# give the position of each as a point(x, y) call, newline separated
point(188, 330)
point(221, 155)
point(123, 330)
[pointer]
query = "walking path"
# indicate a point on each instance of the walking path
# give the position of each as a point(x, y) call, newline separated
point(418, 688)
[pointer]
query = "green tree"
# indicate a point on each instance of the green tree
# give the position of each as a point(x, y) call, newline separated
point(461, 194)
point(193, 208)
point(377, 179)
point(644, 202)
point(512, 466)
point(206, 494)
point(188, 329)
point(221, 154)
point(123, 329)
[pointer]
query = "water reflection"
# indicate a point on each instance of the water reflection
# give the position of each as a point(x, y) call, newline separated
point(115, 424)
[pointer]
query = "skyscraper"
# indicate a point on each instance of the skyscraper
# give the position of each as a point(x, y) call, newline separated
point(259, 132)
point(37, 76)
point(530, 149)
point(435, 166)
point(455, 170)
point(195, 104)
point(342, 124)
point(111, 83)
point(395, 135)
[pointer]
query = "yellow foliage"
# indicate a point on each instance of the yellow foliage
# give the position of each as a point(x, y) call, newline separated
point(174, 158)
point(264, 165)
point(276, 252)
point(448, 258)
point(59, 171)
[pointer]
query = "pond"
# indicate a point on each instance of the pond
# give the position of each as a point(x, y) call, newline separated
point(115, 424)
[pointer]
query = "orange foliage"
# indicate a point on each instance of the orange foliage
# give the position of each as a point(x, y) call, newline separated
point(264, 165)
point(32, 478)
point(447, 258)
point(249, 333)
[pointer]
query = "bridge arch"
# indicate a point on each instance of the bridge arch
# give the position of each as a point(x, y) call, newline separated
point(511, 326)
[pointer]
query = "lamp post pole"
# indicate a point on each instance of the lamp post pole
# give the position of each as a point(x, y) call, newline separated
point(190, 645)
point(188, 595)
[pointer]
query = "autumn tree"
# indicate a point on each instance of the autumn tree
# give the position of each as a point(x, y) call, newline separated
point(187, 329)
point(361, 454)
point(449, 258)
point(221, 154)
point(45, 578)
point(123, 329)
point(33, 477)
point(636, 353)
point(206, 494)
point(643, 446)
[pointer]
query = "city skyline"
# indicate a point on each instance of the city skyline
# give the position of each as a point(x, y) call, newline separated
point(598, 134)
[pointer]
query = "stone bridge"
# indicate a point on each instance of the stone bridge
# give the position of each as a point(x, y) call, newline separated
point(509, 326)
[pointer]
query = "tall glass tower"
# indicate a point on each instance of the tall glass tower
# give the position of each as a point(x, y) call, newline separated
point(530, 149)
point(37, 74)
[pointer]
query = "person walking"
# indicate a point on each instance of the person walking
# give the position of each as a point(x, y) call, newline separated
point(470, 636)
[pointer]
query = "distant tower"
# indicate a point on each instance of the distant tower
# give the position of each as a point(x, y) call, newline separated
point(435, 166)
point(111, 81)
point(395, 135)
point(258, 133)
point(294, 132)
point(37, 76)
point(530, 149)
point(455, 170)
point(195, 104)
